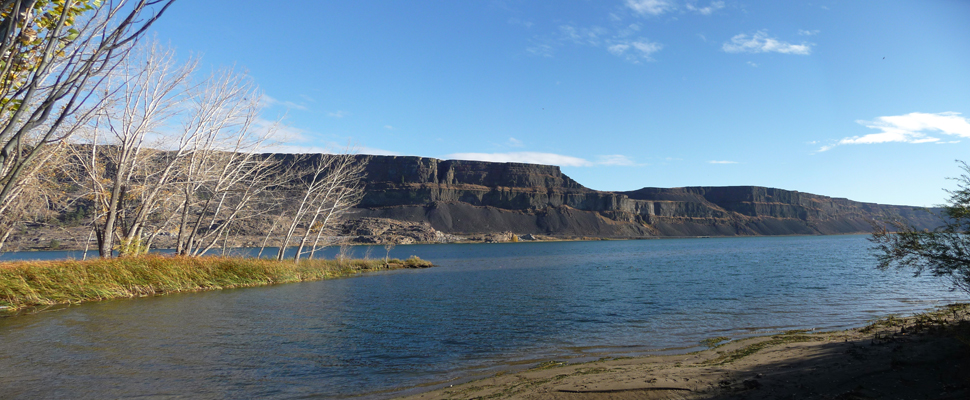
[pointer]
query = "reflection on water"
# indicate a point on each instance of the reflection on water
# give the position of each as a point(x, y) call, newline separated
point(486, 307)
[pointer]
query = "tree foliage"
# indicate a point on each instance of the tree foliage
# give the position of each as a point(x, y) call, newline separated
point(943, 252)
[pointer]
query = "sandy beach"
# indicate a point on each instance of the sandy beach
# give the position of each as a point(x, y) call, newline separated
point(926, 356)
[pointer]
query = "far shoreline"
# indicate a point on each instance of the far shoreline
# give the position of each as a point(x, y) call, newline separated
point(92, 252)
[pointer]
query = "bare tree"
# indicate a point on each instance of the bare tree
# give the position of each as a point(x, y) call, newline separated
point(224, 174)
point(54, 56)
point(344, 191)
point(128, 177)
point(170, 157)
point(388, 247)
point(330, 186)
point(39, 196)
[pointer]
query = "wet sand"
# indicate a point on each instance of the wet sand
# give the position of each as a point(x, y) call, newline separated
point(926, 356)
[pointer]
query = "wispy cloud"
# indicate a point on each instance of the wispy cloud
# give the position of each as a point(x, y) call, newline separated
point(914, 127)
point(710, 9)
point(513, 142)
point(760, 42)
point(628, 31)
point(388, 127)
point(337, 114)
point(280, 132)
point(527, 157)
point(809, 33)
point(282, 138)
point(650, 7)
point(753, 64)
point(519, 22)
point(617, 160)
point(721, 162)
point(620, 42)
point(591, 36)
point(328, 148)
point(540, 49)
point(641, 49)
point(270, 101)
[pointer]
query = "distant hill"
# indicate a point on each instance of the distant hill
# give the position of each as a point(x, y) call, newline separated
point(416, 199)
point(474, 197)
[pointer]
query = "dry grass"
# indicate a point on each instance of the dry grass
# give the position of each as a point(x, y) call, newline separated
point(36, 283)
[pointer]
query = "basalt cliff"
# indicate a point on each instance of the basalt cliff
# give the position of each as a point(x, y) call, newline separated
point(470, 198)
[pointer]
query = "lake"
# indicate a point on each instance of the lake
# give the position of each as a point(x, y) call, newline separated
point(488, 307)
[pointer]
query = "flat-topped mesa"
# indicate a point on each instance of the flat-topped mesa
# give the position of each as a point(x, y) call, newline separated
point(757, 201)
point(463, 197)
point(396, 180)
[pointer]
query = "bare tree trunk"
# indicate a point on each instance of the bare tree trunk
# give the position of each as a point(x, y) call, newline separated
point(58, 84)
point(269, 234)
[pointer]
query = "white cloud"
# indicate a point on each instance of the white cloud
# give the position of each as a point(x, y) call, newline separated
point(760, 42)
point(910, 128)
point(515, 142)
point(388, 127)
point(628, 31)
point(338, 114)
point(529, 157)
point(618, 41)
point(721, 162)
point(269, 101)
point(652, 7)
point(523, 157)
point(287, 139)
point(808, 33)
point(616, 159)
point(618, 49)
point(591, 36)
point(714, 6)
point(641, 49)
point(540, 49)
point(646, 48)
point(279, 132)
point(516, 21)
point(753, 64)
point(330, 148)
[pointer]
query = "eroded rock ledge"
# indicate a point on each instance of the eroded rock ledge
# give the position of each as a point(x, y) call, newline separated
point(469, 198)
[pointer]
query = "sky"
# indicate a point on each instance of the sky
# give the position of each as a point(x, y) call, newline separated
point(866, 100)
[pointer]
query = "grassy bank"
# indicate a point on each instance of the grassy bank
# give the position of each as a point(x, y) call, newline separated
point(37, 283)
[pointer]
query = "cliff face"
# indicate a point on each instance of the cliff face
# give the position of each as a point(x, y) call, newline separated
point(472, 197)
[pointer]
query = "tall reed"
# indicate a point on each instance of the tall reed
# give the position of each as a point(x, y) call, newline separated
point(35, 283)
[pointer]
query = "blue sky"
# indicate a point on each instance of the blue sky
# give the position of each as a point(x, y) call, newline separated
point(868, 100)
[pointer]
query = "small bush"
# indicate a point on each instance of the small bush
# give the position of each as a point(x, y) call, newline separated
point(415, 262)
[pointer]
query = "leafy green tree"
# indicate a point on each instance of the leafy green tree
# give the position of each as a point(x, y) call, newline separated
point(943, 252)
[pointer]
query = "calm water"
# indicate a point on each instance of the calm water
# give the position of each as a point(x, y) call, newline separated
point(488, 307)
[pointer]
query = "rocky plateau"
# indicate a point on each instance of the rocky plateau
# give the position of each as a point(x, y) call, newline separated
point(454, 199)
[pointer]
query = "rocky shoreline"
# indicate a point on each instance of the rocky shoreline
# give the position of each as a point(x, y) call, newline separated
point(357, 231)
point(925, 356)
